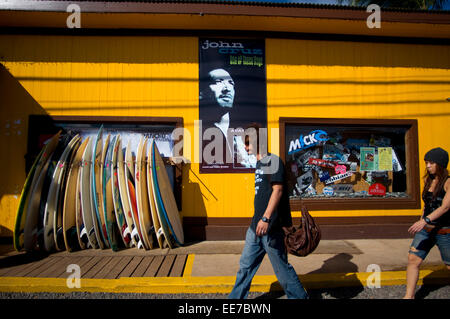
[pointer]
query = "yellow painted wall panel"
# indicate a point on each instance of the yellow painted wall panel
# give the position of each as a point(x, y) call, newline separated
point(158, 76)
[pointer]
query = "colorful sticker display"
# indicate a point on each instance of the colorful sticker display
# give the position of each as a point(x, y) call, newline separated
point(322, 159)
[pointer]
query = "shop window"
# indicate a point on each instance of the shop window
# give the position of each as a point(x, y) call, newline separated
point(337, 164)
point(42, 127)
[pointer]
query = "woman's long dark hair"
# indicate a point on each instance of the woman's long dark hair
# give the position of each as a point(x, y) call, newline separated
point(441, 175)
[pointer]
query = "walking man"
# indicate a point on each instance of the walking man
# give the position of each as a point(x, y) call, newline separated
point(265, 234)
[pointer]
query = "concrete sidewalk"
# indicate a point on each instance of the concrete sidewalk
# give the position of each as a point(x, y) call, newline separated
point(211, 267)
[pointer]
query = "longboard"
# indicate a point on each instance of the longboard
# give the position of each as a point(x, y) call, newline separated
point(53, 166)
point(53, 195)
point(30, 183)
point(86, 196)
point(131, 194)
point(23, 204)
point(70, 209)
point(165, 198)
point(95, 176)
point(100, 189)
point(81, 229)
point(58, 220)
point(121, 167)
point(34, 222)
point(118, 209)
point(109, 215)
point(151, 197)
point(142, 195)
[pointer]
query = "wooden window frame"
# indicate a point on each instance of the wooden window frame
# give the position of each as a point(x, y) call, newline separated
point(411, 166)
point(177, 122)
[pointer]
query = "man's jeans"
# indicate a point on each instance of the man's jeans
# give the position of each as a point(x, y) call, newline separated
point(254, 251)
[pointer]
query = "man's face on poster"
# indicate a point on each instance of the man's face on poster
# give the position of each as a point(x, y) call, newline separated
point(222, 85)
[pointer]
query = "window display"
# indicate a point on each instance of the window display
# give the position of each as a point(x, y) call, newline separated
point(347, 160)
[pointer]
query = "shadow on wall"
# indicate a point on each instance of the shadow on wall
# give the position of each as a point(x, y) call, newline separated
point(16, 104)
point(195, 230)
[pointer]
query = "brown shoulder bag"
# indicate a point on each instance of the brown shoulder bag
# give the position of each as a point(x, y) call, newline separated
point(304, 239)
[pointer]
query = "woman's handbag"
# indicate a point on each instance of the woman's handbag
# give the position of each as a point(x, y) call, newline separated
point(302, 240)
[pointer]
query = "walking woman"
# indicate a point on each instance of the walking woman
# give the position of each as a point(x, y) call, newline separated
point(434, 226)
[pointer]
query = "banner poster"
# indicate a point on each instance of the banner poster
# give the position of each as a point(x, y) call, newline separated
point(385, 159)
point(232, 95)
point(367, 160)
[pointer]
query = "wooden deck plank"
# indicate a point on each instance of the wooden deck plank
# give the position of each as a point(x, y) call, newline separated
point(18, 265)
point(143, 266)
point(129, 269)
point(154, 266)
point(89, 265)
point(80, 261)
point(166, 266)
point(109, 267)
point(119, 267)
point(178, 266)
point(55, 269)
point(98, 267)
point(47, 262)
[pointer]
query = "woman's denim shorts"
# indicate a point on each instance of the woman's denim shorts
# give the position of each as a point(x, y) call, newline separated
point(423, 242)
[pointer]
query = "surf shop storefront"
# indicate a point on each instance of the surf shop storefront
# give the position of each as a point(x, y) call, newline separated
point(351, 110)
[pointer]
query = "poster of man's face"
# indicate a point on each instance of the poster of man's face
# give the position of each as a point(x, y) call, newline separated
point(232, 75)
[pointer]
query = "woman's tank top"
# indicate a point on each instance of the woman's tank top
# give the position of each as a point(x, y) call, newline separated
point(432, 204)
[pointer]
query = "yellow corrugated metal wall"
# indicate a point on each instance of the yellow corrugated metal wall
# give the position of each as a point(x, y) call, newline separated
point(158, 76)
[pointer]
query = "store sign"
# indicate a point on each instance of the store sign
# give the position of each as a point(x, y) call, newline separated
point(377, 189)
point(307, 141)
point(338, 177)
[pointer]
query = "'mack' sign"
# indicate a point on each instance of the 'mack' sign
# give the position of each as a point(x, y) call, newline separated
point(307, 141)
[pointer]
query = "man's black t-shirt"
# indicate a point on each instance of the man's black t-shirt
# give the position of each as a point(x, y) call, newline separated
point(270, 170)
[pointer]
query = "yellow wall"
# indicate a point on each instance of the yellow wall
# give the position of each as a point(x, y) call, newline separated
point(158, 76)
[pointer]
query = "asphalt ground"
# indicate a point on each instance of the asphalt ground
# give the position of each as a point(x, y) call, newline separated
point(384, 292)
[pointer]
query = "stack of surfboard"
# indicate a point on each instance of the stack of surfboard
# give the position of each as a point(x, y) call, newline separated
point(95, 194)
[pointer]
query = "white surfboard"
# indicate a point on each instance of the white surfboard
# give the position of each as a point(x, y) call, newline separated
point(143, 205)
point(121, 167)
point(168, 210)
point(86, 196)
point(118, 208)
point(53, 195)
point(71, 208)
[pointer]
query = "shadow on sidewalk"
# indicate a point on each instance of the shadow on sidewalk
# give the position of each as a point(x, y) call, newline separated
point(434, 281)
point(339, 265)
point(21, 259)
